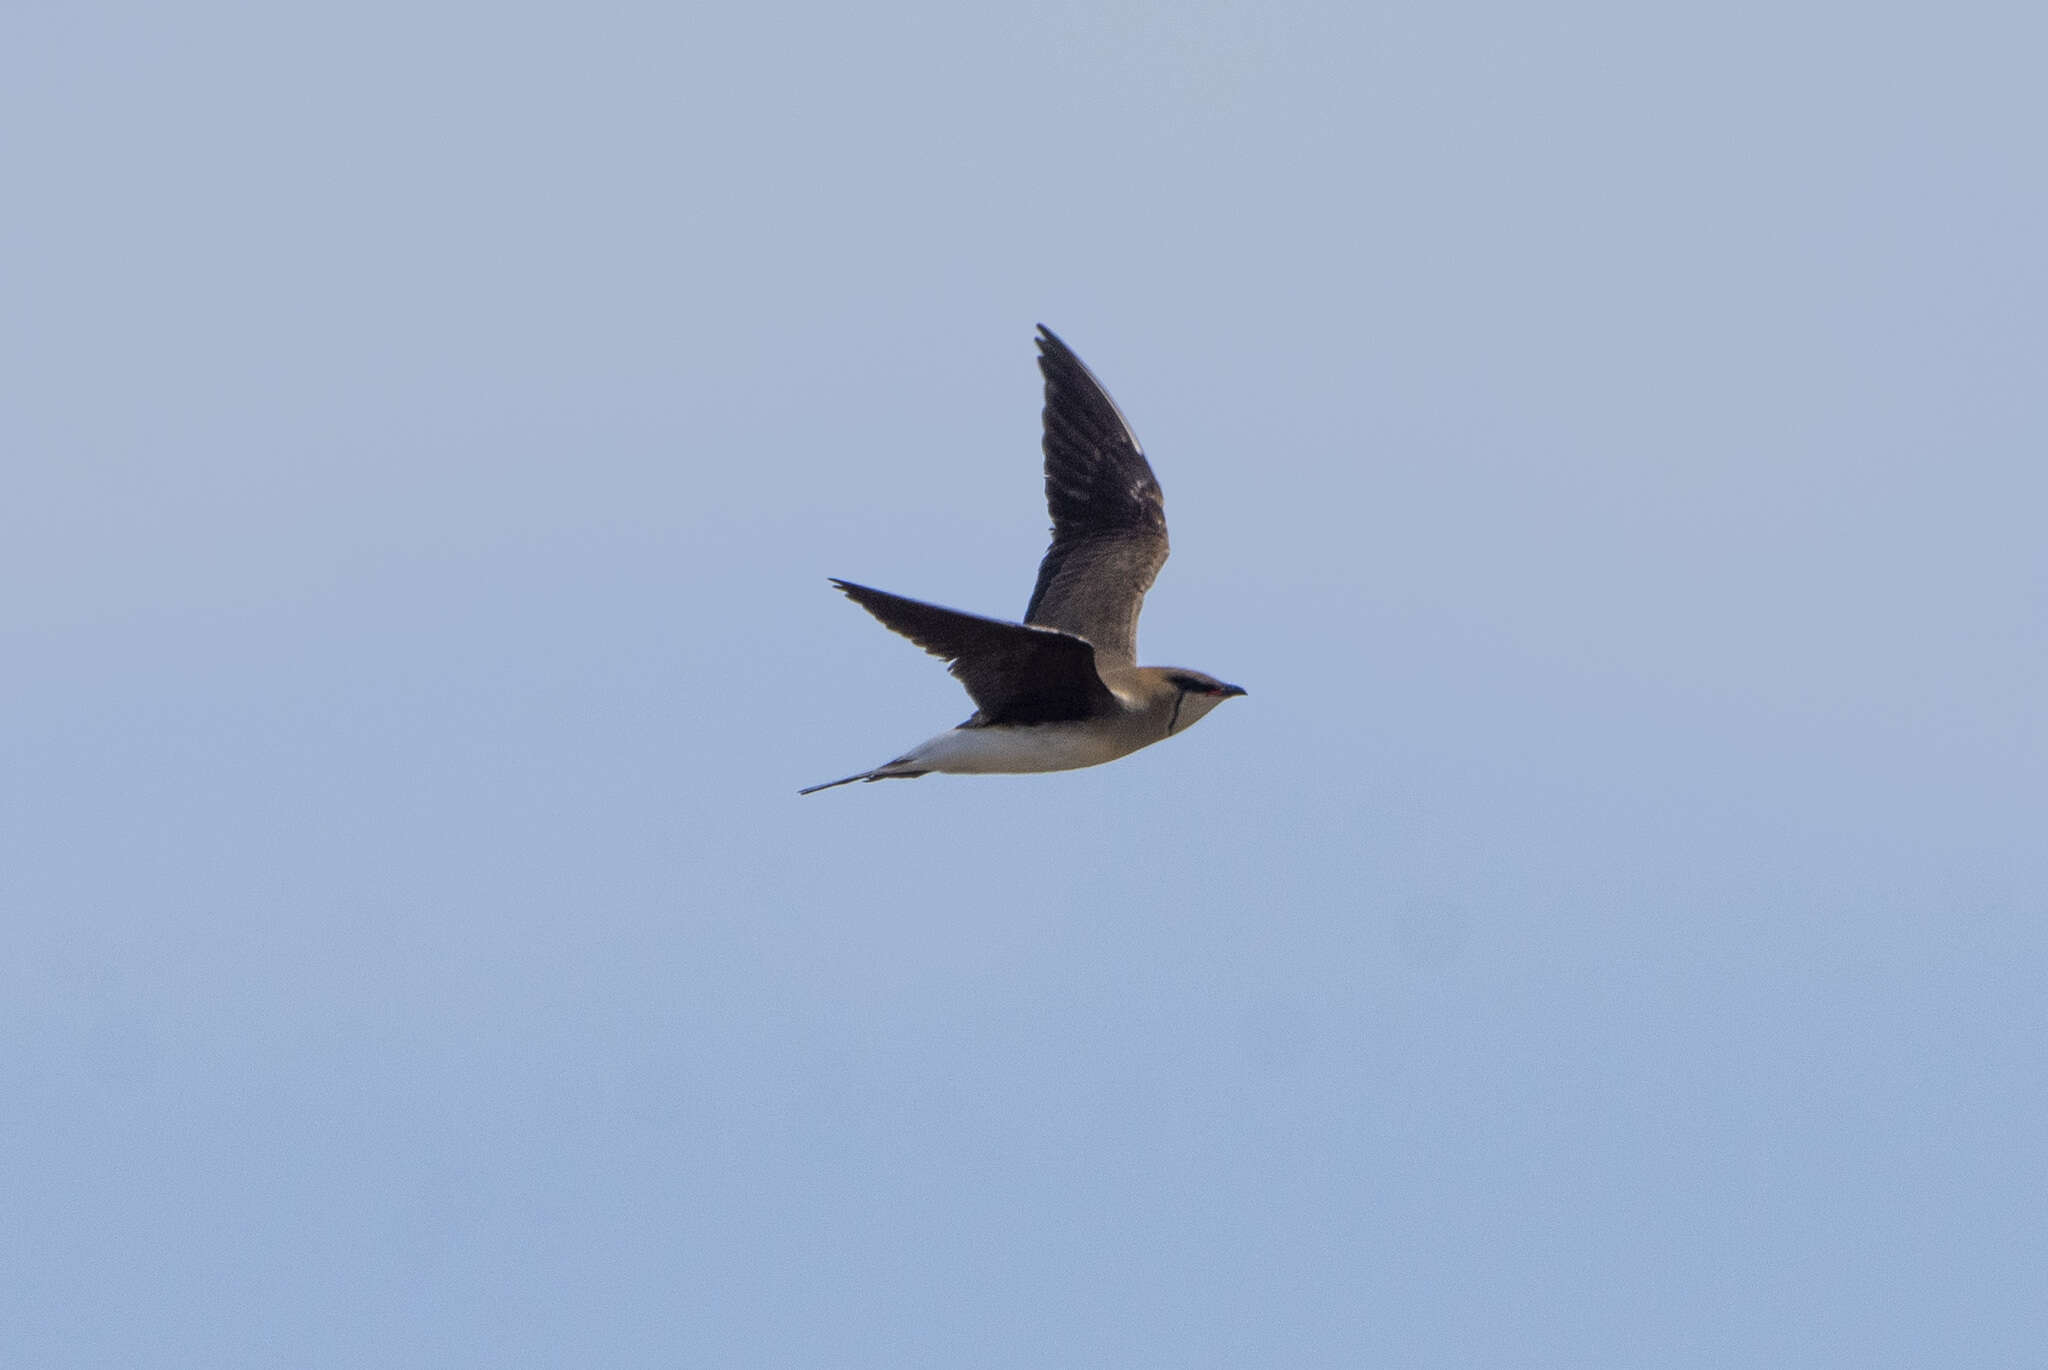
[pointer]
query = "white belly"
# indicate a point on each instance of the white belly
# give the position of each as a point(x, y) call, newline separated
point(1010, 750)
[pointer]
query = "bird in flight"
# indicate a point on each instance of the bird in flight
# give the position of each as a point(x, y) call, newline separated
point(1063, 689)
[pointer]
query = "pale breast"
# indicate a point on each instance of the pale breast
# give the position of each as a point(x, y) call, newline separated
point(1006, 750)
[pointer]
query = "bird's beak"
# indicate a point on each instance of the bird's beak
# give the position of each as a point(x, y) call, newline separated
point(1231, 690)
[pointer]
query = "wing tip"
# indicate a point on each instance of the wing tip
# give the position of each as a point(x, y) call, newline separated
point(1052, 346)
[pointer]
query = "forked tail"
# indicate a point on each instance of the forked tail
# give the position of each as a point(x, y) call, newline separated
point(878, 773)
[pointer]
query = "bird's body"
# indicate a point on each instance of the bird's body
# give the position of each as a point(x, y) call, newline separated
point(1061, 690)
point(1024, 748)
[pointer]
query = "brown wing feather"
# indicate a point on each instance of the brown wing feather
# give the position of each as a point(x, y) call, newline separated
point(1014, 673)
point(1108, 515)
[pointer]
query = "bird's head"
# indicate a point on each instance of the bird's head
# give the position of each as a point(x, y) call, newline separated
point(1198, 693)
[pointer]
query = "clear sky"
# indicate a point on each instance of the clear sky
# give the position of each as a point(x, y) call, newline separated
point(1607, 440)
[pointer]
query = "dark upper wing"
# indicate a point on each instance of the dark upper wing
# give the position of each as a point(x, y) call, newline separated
point(1015, 674)
point(1108, 519)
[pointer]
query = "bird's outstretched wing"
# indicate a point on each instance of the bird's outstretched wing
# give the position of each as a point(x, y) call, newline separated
point(1015, 674)
point(1108, 518)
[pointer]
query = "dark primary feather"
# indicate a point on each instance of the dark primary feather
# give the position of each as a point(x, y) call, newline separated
point(1015, 674)
point(1108, 517)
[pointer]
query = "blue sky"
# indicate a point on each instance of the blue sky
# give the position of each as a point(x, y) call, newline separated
point(1607, 442)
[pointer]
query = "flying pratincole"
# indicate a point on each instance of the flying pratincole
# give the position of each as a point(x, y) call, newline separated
point(1063, 689)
